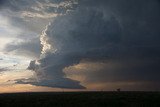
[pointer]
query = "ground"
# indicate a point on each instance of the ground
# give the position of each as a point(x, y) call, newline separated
point(81, 99)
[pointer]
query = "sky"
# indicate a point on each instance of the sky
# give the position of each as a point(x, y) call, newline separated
point(79, 45)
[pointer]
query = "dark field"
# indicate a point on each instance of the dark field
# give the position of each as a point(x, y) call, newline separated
point(81, 99)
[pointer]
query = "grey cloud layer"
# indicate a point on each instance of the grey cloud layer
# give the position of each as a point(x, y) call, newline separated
point(30, 48)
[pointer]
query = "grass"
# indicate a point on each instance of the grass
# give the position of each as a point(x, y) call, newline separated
point(81, 99)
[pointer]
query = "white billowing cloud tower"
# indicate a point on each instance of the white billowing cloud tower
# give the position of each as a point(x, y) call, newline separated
point(44, 40)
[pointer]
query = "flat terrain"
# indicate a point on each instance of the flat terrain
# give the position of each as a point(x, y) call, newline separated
point(81, 99)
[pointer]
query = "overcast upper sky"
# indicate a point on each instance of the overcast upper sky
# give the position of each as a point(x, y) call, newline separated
point(47, 45)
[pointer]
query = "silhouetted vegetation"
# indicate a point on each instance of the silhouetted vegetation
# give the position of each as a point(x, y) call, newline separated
point(81, 99)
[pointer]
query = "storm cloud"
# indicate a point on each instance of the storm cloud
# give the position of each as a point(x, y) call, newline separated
point(121, 34)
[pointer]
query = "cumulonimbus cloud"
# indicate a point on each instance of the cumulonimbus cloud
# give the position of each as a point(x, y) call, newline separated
point(74, 38)
point(96, 30)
